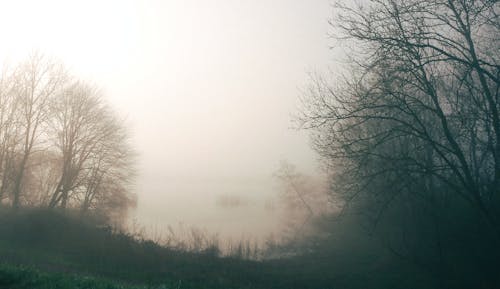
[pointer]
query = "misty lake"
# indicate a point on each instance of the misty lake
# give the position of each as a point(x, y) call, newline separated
point(233, 208)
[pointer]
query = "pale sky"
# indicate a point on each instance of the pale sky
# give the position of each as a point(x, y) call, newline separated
point(208, 87)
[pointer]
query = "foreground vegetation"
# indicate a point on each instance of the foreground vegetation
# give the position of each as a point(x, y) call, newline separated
point(20, 277)
point(50, 249)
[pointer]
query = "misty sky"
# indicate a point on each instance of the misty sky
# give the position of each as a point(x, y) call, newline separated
point(207, 87)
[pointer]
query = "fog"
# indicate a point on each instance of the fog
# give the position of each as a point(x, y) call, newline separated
point(207, 88)
point(157, 144)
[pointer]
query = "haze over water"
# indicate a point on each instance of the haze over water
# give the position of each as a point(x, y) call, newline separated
point(207, 87)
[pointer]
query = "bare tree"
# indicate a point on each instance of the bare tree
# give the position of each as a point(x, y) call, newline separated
point(78, 124)
point(110, 176)
point(95, 159)
point(428, 79)
point(41, 177)
point(416, 126)
point(60, 144)
point(36, 82)
point(8, 129)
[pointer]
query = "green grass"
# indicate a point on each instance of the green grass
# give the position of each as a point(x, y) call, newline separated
point(21, 277)
point(63, 249)
point(47, 249)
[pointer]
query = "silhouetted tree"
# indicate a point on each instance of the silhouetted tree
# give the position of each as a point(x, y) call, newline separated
point(110, 175)
point(415, 132)
point(35, 82)
point(95, 159)
point(60, 144)
point(8, 129)
point(79, 123)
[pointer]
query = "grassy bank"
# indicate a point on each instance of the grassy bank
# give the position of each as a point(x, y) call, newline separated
point(65, 245)
point(49, 249)
point(21, 277)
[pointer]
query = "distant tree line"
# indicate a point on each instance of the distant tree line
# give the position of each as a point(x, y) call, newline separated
point(61, 145)
point(412, 134)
